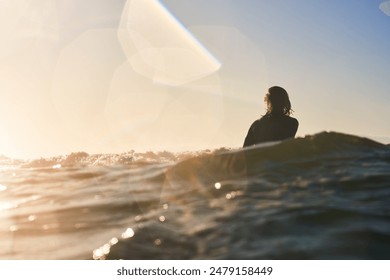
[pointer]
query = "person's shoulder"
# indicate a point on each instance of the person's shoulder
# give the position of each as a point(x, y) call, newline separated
point(293, 120)
point(257, 123)
point(265, 118)
point(261, 119)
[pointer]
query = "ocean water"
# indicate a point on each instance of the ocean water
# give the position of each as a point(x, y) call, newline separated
point(325, 196)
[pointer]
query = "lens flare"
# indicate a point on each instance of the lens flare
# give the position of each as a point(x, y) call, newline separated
point(159, 47)
point(385, 7)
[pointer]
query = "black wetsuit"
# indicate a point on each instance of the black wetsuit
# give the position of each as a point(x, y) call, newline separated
point(271, 127)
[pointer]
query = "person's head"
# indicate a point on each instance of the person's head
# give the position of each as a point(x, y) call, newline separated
point(277, 101)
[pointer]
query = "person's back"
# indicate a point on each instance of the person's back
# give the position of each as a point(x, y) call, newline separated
point(276, 125)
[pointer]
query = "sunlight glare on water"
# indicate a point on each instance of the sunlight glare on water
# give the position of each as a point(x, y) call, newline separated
point(2, 188)
point(128, 233)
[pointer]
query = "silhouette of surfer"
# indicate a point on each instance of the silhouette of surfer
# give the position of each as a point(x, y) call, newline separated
point(276, 124)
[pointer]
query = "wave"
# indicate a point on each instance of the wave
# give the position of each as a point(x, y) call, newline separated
point(300, 153)
point(324, 196)
point(319, 144)
point(78, 159)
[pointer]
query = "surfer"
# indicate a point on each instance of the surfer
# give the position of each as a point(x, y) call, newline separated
point(276, 124)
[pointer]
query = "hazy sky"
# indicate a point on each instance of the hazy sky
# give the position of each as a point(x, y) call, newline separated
point(113, 75)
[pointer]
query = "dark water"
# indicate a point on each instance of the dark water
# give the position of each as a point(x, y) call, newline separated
point(325, 196)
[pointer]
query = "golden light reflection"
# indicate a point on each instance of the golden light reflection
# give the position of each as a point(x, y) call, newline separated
point(218, 185)
point(57, 166)
point(31, 218)
point(103, 251)
point(13, 228)
point(138, 218)
point(113, 241)
point(50, 226)
point(98, 254)
point(106, 249)
point(3, 188)
point(231, 195)
point(6, 206)
point(128, 233)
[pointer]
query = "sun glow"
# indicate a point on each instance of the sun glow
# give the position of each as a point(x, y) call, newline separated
point(2, 188)
point(112, 76)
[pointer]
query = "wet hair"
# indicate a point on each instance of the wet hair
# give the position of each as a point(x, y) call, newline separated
point(277, 101)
